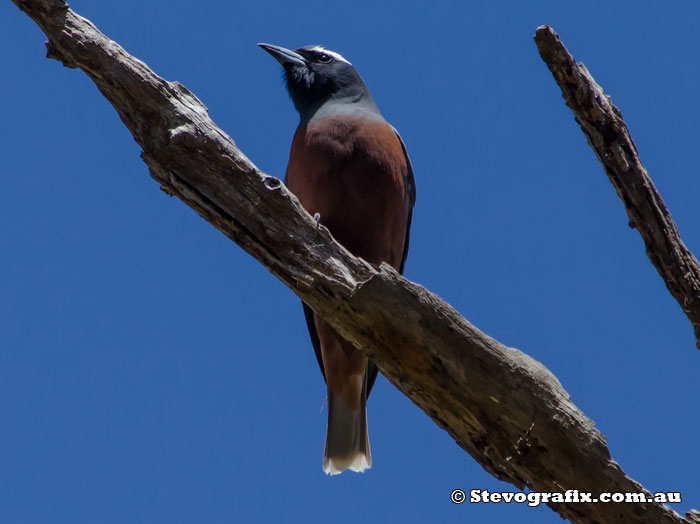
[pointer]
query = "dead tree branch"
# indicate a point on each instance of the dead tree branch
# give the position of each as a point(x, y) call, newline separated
point(506, 409)
point(607, 134)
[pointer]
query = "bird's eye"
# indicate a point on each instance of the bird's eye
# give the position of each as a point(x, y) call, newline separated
point(324, 58)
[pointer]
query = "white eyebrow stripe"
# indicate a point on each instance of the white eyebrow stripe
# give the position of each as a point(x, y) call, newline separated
point(335, 55)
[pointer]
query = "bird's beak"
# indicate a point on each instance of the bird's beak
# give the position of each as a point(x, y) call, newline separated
point(284, 56)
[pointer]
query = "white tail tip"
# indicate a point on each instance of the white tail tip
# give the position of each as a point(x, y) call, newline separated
point(358, 463)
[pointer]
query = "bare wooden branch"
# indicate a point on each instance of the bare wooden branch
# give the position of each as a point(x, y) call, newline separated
point(607, 134)
point(506, 409)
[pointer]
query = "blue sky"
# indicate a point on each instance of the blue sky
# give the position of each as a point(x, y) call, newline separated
point(151, 371)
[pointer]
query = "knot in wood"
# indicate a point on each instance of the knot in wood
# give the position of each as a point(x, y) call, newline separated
point(272, 183)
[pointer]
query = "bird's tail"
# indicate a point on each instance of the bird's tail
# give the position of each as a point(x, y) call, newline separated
point(347, 440)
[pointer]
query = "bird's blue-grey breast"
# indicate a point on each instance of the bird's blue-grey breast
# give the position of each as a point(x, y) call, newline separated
point(350, 167)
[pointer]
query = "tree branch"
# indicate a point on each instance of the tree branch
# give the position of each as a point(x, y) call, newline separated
point(607, 134)
point(506, 409)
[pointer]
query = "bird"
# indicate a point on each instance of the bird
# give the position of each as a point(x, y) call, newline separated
point(350, 170)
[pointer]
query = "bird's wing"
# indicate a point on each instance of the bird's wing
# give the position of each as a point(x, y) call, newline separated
point(410, 188)
point(311, 324)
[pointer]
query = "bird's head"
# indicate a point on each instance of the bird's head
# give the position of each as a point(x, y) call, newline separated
point(316, 75)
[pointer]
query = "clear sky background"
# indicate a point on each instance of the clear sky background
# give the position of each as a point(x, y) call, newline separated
point(151, 371)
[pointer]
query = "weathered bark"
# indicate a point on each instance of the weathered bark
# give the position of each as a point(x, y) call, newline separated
point(506, 409)
point(607, 134)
